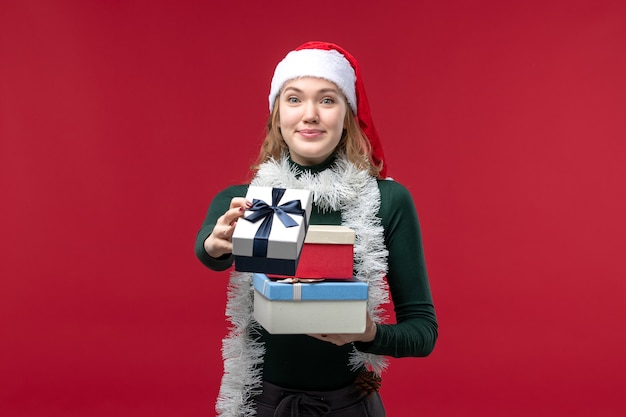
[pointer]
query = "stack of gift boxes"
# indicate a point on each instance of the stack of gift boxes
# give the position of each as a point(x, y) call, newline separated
point(302, 275)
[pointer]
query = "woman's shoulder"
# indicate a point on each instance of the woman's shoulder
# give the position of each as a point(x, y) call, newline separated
point(391, 189)
point(395, 199)
point(235, 190)
point(224, 196)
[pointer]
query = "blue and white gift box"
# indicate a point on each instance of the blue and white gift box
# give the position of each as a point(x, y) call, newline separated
point(269, 238)
point(288, 307)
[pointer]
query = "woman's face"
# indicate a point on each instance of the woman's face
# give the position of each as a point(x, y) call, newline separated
point(311, 114)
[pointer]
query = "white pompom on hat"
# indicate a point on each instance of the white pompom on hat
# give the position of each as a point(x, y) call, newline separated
point(331, 62)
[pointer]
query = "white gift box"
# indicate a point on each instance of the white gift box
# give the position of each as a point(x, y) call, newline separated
point(275, 249)
point(320, 307)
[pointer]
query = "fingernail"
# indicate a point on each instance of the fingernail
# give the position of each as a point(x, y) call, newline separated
point(241, 208)
point(248, 203)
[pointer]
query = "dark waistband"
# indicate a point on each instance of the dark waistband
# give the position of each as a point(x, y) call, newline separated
point(273, 395)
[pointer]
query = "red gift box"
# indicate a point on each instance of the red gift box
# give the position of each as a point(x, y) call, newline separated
point(328, 252)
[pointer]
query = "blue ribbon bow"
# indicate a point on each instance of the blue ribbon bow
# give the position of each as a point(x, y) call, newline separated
point(261, 210)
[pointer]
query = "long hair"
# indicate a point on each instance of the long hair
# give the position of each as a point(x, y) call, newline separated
point(353, 144)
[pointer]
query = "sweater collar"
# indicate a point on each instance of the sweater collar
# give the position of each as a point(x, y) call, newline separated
point(313, 169)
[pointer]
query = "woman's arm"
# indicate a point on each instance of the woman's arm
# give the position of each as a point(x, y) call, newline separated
point(415, 331)
point(221, 210)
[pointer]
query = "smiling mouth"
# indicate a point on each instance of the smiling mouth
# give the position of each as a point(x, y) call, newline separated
point(310, 133)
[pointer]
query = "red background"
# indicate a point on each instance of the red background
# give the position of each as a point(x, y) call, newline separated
point(119, 120)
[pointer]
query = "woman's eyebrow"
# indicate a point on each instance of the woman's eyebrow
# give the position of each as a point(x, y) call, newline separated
point(321, 91)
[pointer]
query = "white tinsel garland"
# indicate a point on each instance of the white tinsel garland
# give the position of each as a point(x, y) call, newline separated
point(341, 187)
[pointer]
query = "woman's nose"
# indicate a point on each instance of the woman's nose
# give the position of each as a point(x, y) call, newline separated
point(310, 113)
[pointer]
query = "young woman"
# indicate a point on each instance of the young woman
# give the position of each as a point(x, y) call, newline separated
point(320, 137)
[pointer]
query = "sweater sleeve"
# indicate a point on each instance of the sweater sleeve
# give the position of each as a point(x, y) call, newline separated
point(219, 205)
point(415, 330)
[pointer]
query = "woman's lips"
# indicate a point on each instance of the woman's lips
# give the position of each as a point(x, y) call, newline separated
point(310, 133)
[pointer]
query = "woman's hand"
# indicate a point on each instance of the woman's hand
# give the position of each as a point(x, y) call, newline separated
point(342, 339)
point(220, 241)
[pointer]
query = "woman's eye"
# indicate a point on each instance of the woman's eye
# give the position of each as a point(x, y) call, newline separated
point(292, 99)
point(327, 100)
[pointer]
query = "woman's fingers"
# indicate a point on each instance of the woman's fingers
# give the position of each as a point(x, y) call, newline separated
point(219, 241)
point(238, 206)
point(239, 202)
point(229, 219)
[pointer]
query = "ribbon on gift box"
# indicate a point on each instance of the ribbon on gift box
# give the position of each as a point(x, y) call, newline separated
point(261, 210)
point(296, 284)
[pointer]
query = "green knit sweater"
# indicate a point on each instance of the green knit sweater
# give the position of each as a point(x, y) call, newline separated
point(302, 362)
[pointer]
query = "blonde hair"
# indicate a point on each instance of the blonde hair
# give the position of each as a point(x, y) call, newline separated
point(353, 144)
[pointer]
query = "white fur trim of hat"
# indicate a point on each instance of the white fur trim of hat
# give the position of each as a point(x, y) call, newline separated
point(329, 65)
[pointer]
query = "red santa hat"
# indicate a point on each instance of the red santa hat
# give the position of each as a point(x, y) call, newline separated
point(333, 63)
